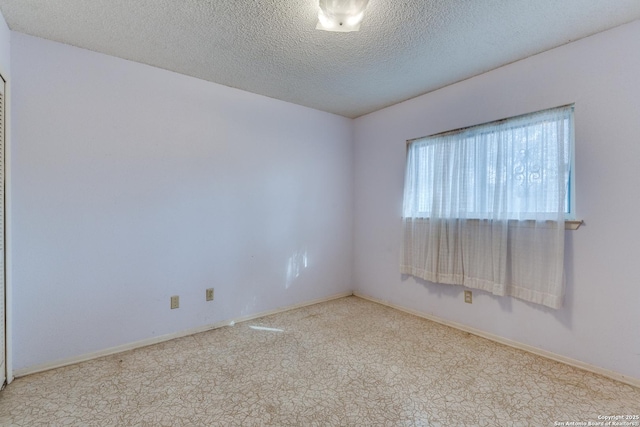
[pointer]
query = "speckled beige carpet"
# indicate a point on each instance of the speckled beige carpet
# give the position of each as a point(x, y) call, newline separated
point(344, 362)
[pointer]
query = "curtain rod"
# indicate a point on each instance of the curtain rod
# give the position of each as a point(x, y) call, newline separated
point(409, 141)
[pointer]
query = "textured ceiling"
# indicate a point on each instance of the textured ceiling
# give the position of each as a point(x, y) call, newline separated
point(271, 47)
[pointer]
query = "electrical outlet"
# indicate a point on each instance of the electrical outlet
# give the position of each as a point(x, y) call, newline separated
point(175, 302)
point(468, 297)
point(210, 294)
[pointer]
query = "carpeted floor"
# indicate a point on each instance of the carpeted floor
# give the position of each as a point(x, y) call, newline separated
point(343, 362)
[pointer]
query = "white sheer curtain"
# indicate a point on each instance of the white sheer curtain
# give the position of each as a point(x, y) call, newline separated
point(485, 206)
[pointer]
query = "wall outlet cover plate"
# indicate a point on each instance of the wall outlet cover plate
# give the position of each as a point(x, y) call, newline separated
point(175, 302)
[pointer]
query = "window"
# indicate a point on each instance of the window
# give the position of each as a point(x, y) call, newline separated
point(518, 168)
point(485, 206)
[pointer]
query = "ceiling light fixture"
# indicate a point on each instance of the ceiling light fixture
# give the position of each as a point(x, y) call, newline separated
point(341, 15)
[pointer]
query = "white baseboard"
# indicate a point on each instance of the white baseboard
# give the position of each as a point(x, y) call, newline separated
point(155, 340)
point(635, 382)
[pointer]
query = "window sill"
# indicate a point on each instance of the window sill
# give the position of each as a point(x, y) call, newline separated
point(569, 224)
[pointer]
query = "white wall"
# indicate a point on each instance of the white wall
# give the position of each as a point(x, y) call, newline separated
point(132, 184)
point(5, 292)
point(599, 323)
point(5, 46)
